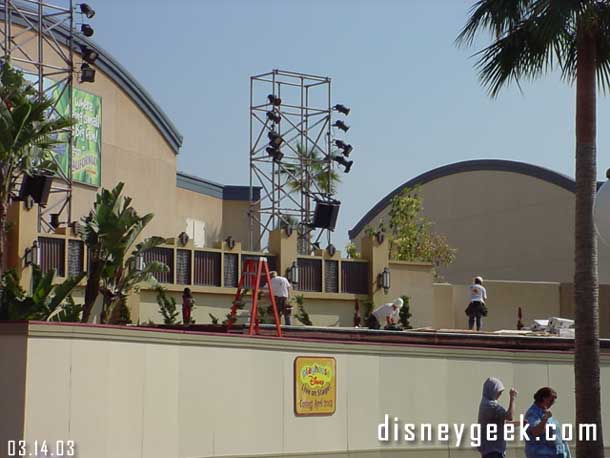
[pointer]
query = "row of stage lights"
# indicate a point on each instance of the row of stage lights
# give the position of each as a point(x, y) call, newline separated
point(87, 74)
point(276, 140)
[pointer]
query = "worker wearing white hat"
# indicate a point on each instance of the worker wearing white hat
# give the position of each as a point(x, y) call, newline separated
point(389, 314)
point(476, 308)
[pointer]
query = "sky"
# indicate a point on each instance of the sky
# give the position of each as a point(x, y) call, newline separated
point(415, 98)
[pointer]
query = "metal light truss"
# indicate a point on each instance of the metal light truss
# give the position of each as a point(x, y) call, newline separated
point(28, 38)
point(291, 185)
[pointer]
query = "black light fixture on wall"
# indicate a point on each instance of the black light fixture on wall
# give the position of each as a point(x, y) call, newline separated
point(383, 280)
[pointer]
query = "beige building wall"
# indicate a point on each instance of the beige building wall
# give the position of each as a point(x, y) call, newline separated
point(193, 205)
point(236, 223)
point(125, 393)
point(504, 225)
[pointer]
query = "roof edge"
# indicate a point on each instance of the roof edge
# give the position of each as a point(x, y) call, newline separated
point(495, 165)
point(217, 190)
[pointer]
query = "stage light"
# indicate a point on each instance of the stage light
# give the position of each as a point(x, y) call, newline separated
point(86, 30)
point(87, 74)
point(275, 139)
point(89, 55)
point(347, 149)
point(54, 220)
point(87, 10)
point(344, 162)
point(341, 125)
point(274, 116)
point(273, 100)
point(275, 153)
point(341, 109)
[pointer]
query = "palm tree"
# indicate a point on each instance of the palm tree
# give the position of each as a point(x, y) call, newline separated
point(27, 138)
point(310, 168)
point(531, 37)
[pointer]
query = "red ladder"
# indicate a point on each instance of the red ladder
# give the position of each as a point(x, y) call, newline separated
point(251, 272)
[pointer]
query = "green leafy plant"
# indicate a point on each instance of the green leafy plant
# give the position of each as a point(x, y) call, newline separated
point(352, 251)
point(167, 306)
point(27, 138)
point(110, 232)
point(301, 314)
point(405, 313)
point(46, 302)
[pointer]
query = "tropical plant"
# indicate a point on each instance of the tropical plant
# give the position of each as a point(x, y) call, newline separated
point(301, 314)
point(410, 235)
point(532, 37)
point(310, 167)
point(47, 301)
point(352, 251)
point(116, 267)
point(167, 306)
point(27, 137)
point(405, 313)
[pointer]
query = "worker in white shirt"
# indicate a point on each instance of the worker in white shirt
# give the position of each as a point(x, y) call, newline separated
point(476, 308)
point(281, 291)
point(388, 314)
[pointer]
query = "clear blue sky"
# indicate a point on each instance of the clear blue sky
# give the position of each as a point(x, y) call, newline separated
point(416, 100)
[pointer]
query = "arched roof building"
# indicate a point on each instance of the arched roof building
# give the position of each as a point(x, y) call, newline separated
point(508, 220)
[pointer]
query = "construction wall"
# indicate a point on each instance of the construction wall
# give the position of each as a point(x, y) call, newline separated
point(124, 392)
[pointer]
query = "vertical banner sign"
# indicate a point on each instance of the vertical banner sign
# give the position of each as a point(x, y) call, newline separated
point(315, 385)
point(86, 136)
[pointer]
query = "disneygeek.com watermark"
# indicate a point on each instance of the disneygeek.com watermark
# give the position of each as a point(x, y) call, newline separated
point(393, 430)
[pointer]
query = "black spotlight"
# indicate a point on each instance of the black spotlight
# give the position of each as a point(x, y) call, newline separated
point(87, 10)
point(89, 55)
point(87, 74)
point(341, 125)
point(275, 139)
point(273, 100)
point(344, 162)
point(341, 109)
point(274, 116)
point(86, 30)
point(275, 153)
point(347, 149)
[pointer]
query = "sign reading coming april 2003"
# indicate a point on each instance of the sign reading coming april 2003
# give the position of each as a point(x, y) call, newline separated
point(315, 385)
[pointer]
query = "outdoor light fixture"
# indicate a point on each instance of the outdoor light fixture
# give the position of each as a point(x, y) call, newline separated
point(341, 125)
point(140, 264)
point(87, 10)
point(275, 139)
point(76, 227)
point(347, 149)
point(288, 230)
point(87, 74)
point(275, 153)
point(273, 100)
point(344, 162)
point(331, 250)
point(274, 116)
point(86, 30)
point(230, 242)
point(31, 254)
point(383, 280)
point(293, 273)
point(89, 55)
point(341, 109)
point(183, 238)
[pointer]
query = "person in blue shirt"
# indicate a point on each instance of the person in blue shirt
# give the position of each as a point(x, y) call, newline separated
point(544, 431)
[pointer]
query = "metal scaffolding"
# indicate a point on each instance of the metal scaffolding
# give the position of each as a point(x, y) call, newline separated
point(291, 155)
point(29, 37)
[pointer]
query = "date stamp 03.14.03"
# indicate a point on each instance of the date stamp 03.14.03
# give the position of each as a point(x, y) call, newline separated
point(41, 448)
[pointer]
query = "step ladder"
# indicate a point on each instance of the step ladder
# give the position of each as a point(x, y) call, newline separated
point(251, 279)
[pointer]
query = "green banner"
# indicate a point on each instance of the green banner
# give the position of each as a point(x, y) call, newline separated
point(86, 136)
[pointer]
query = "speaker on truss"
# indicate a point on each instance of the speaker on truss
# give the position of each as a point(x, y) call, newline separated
point(38, 187)
point(325, 215)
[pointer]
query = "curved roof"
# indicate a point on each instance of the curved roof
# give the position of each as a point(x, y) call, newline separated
point(108, 65)
point(495, 165)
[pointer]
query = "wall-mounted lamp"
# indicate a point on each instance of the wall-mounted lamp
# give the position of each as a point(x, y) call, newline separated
point(293, 273)
point(331, 250)
point(383, 280)
point(140, 264)
point(288, 230)
point(183, 238)
point(31, 254)
point(230, 242)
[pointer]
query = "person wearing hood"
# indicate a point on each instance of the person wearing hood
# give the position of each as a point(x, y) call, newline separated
point(388, 314)
point(491, 412)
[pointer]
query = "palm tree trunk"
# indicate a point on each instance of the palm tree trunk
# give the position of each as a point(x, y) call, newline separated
point(3, 221)
point(586, 289)
point(92, 289)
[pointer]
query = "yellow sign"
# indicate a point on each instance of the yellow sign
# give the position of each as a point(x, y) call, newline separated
point(315, 385)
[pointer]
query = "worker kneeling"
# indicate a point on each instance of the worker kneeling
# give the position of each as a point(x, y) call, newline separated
point(388, 314)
